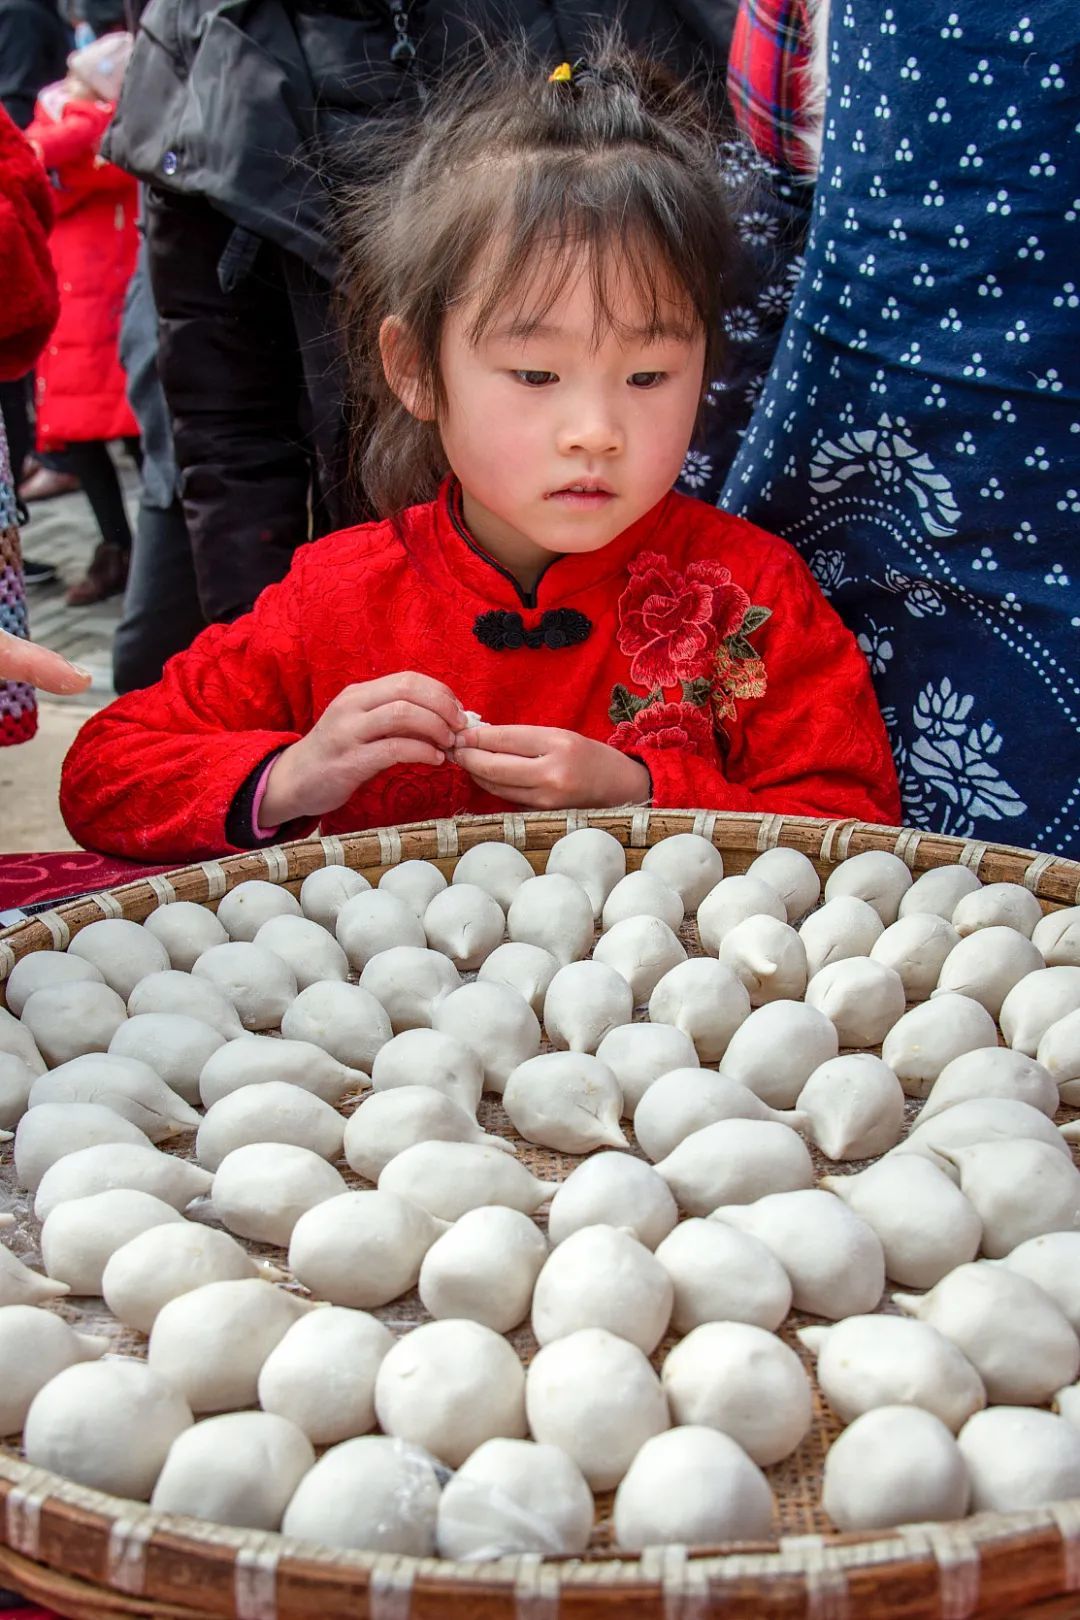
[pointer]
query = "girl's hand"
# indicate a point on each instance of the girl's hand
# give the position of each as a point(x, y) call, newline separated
point(405, 718)
point(39, 666)
point(549, 769)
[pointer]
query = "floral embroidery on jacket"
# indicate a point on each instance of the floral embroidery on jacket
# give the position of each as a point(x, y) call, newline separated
point(671, 623)
point(689, 630)
point(736, 677)
point(663, 725)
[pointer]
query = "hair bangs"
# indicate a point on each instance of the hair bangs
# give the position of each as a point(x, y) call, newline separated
point(644, 284)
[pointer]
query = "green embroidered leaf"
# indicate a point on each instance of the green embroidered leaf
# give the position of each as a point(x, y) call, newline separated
point(753, 619)
point(624, 705)
point(739, 647)
point(697, 692)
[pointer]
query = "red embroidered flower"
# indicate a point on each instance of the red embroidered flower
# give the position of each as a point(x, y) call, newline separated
point(723, 704)
point(671, 623)
point(742, 677)
point(664, 725)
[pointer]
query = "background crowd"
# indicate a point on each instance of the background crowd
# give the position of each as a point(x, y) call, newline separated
point(899, 398)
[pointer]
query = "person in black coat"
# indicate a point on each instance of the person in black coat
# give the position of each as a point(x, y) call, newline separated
point(235, 118)
point(34, 45)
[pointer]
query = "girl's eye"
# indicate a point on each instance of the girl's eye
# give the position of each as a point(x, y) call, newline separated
point(535, 379)
point(646, 379)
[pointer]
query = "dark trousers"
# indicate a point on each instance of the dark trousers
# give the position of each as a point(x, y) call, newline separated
point(248, 361)
point(161, 604)
point(15, 409)
point(92, 465)
point(161, 607)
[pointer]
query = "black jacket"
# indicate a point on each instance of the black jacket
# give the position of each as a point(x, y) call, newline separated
point(34, 43)
point(246, 102)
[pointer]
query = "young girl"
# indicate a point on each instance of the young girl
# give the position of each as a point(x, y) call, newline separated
point(536, 294)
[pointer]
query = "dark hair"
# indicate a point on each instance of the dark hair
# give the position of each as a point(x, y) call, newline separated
point(104, 16)
point(502, 167)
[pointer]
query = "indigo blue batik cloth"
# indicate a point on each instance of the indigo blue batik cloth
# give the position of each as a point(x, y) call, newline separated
point(918, 439)
point(770, 210)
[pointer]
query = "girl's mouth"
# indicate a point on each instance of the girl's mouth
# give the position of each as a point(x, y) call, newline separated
point(586, 494)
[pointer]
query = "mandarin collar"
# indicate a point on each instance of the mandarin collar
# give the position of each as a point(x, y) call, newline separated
point(446, 549)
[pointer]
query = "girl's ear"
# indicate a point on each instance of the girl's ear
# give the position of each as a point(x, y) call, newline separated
point(401, 367)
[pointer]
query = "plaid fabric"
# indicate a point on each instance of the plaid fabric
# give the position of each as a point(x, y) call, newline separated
point(770, 48)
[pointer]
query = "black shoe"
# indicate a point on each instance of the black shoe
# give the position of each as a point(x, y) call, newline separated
point(39, 573)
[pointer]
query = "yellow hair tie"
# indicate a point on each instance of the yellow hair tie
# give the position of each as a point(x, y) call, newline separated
point(562, 74)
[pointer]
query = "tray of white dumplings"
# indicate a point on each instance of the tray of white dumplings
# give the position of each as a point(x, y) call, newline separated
point(572, 1203)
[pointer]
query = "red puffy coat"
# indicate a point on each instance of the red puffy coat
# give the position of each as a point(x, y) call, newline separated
point(80, 382)
point(29, 307)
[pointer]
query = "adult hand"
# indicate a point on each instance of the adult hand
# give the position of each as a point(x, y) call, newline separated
point(549, 769)
point(39, 666)
point(404, 718)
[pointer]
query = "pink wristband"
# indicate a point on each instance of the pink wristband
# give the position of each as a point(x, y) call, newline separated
point(258, 830)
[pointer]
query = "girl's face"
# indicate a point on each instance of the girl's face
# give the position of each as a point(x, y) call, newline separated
point(560, 441)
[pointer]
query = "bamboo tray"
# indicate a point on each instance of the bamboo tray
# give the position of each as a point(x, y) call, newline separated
point(91, 1556)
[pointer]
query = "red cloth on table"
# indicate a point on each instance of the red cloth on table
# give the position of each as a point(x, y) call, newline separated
point(80, 381)
point(767, 79)
point(28, 880)
point(785, 722)
point(30, 303)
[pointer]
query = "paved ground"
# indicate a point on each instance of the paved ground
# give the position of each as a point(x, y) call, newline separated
point(61, 531)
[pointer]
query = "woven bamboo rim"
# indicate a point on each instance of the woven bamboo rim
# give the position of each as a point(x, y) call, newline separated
point(91, 1555)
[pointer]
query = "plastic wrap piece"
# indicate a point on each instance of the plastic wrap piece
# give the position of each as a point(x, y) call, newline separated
point(374, 1494)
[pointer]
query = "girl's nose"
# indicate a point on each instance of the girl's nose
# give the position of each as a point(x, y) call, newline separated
point(593, 433)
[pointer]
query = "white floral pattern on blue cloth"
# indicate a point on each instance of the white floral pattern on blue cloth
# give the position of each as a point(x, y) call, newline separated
point(770, 211)
point(918, 439)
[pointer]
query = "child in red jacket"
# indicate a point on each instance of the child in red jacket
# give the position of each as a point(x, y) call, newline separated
point(81, 402)
point(537, 290)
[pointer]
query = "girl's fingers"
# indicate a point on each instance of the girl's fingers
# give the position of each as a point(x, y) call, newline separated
point(400, 718)
point(528, 742)
point(39, 666)
point(379, 756)
point(420, 690)
point(497, 771)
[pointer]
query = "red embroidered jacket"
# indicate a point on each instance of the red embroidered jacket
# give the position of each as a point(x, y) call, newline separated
point(694, 641)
